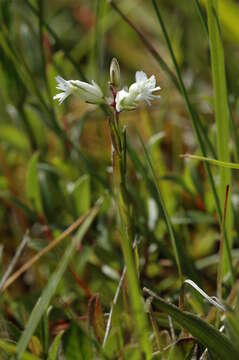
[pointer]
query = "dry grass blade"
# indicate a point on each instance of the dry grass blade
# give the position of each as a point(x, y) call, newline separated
point(212, 300)
point(44, 251)
point(112, 307)
point(53, 282)
point(14, 260)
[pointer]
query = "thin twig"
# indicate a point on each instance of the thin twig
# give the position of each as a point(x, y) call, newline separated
point(171, 327)
point(49, 247)
point(12, 264)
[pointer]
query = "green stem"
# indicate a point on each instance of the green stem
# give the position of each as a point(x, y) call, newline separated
point(221, 115)
point(127, 234)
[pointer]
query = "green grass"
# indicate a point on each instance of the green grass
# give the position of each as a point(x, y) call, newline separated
point(169, 217)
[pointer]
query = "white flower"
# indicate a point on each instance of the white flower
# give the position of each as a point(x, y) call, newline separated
point(90, 93)
point(141, 90)
point(125, 100)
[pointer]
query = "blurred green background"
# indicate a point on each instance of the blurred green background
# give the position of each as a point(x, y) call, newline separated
point(55, 160)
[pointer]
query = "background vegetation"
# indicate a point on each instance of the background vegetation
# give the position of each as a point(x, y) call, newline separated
point(55, 167)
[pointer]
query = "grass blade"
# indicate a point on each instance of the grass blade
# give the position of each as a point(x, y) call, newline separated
point(231, 120)
point(221, 112)
point(212, 300)
point(166, 216)
point(202, 16)
point(184, 264)
point(206, 334)
point(225, 164)
point(52, 284)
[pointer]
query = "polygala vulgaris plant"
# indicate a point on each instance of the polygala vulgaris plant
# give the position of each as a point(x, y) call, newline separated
point(125, 99)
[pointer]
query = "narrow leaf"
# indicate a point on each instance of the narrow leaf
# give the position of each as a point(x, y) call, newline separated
point(213, 161)
point(53, 351)
point(206, 334)
point(52, 284)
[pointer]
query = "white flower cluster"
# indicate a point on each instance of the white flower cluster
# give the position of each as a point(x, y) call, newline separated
point(126, 99)
point(141, 90)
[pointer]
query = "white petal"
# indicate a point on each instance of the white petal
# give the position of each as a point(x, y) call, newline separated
point(140, 76)
point(62, 83)
point(121, 95)
point(156, 89)
point(61, 97)
point(134, 88)
point(152, 81)
point(89, 92)
point(96, 86)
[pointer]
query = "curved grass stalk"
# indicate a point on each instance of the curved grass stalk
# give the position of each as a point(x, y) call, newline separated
point(224, 164)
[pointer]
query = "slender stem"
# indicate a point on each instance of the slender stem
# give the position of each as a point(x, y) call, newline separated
point(127, 232)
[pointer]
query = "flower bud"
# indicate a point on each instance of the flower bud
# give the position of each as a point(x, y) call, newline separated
point(115, 73)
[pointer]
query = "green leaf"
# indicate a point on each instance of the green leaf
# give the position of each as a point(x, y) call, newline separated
point(32, 184)
point(53, 351)
point(52, 284)
point(81, 195)
point(36, 125)
point(77, 345)
point(206, 334)
point(232, 325)
point(10, 348)
point(14, 138)
point(229, 12)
